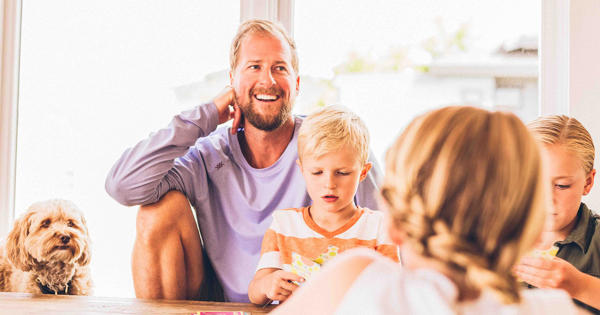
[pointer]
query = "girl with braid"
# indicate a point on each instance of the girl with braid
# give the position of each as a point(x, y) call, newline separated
point(465, 199)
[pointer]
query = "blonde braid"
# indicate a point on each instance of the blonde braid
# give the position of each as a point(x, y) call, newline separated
point(432, 238)
point(464, 185)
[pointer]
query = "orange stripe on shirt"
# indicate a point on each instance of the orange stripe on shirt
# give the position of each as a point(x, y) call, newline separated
point(269, 242)
point(292, 209)
point(388, 250)
point(312, 248)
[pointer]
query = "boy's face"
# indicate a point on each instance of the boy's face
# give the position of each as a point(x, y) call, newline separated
point(332, 179)
point(569, 184)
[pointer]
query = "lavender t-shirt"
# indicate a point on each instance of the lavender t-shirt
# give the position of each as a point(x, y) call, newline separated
point(233, 200)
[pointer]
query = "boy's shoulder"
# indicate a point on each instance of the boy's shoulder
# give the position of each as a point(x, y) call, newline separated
point(372, 213)
point(288, 213)
point(593, 217)
point(288, 210)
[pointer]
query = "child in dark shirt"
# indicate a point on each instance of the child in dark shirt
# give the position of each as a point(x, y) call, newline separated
point(571, 227)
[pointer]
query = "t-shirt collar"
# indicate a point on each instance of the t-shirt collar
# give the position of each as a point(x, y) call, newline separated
point(579, 233)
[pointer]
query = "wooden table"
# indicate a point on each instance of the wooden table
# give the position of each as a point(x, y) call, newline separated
point(25, 303)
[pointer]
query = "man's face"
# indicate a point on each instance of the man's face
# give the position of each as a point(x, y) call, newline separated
point(265, 83)
point(569, 184)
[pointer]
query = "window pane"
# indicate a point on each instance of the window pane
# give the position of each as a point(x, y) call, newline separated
point(392, 60)
point(96, 77)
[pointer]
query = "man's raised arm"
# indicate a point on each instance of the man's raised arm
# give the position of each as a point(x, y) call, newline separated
point(147, 171)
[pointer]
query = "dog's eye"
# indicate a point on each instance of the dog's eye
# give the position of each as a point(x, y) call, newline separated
point(70, 223)
point(46, 223)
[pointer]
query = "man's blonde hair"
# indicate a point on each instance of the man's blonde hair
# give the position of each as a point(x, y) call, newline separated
point(567, 131)
point(331, 128)
point(264, 27)
point(465, 186)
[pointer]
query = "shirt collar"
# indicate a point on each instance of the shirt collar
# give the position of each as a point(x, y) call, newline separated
point(579, 233)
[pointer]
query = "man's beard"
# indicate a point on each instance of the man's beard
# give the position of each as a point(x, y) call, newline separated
point(259, 121)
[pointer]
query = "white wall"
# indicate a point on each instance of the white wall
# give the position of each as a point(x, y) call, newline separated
point(584, 83)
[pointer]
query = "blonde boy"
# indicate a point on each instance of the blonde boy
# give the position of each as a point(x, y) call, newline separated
point(333, 146)
point(571, 227)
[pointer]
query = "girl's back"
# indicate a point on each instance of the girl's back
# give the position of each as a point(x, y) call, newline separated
point(385, 288)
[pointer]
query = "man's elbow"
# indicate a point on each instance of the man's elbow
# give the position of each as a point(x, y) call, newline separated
point(121, 192)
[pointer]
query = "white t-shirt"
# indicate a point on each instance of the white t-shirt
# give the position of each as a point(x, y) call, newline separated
point(384, 287)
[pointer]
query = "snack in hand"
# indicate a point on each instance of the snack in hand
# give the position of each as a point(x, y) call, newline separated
point(546, 253)
point(305, 267)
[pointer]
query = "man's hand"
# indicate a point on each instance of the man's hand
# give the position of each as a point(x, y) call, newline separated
point(228, 109)
point(553, 272)
point(278, 286)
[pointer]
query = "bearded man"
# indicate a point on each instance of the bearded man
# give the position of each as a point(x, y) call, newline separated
point(234, 177)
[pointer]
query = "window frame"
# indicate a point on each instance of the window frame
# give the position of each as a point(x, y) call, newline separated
point(9, 85)
point(274, 10)
point(560, 66)
point(569, 73)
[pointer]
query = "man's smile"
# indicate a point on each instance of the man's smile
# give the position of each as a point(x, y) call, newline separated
point(266, 97)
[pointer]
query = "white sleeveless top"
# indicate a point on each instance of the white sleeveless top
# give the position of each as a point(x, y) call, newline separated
point(384, 287)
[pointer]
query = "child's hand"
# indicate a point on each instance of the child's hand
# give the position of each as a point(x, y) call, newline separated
point(548, 272)
point(279, 285)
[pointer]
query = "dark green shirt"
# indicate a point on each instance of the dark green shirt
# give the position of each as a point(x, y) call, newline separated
point(582, 247)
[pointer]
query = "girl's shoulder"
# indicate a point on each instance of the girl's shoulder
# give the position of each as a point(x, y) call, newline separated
point(371, 214)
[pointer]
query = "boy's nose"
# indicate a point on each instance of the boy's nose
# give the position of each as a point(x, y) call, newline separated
point(330, 184)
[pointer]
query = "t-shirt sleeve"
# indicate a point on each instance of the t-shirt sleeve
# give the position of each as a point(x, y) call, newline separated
point(269, 251)
point(164, 161)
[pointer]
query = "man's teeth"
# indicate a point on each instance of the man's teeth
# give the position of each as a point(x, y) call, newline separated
point(266, 97)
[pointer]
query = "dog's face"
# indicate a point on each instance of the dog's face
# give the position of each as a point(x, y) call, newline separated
point(50, 231)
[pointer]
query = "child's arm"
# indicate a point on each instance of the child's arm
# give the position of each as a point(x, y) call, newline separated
point(272, 284)
point(589, 290)
point(558, 273)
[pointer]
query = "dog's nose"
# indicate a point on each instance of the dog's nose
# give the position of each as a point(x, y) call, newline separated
point(65, 239)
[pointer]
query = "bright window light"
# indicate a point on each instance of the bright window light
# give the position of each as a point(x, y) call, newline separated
point(96, 77)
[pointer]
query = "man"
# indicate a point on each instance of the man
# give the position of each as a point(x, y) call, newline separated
point(234, 177)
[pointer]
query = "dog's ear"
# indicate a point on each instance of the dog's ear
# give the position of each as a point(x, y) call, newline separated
point(15, 243)
point(86, 253)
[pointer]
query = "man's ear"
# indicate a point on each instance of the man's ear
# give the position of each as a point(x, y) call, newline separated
point(297, 84)
point(365, 170)
point(231, 77)
point(589, 182)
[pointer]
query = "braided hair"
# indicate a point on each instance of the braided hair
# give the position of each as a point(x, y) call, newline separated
point(465, 187)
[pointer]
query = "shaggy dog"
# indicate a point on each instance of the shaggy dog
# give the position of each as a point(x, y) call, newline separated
point(47, 251)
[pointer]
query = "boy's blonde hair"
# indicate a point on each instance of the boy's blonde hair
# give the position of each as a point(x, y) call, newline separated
point(264, 27)
point(331, 128)
point(464, 185)
point(567, 131)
